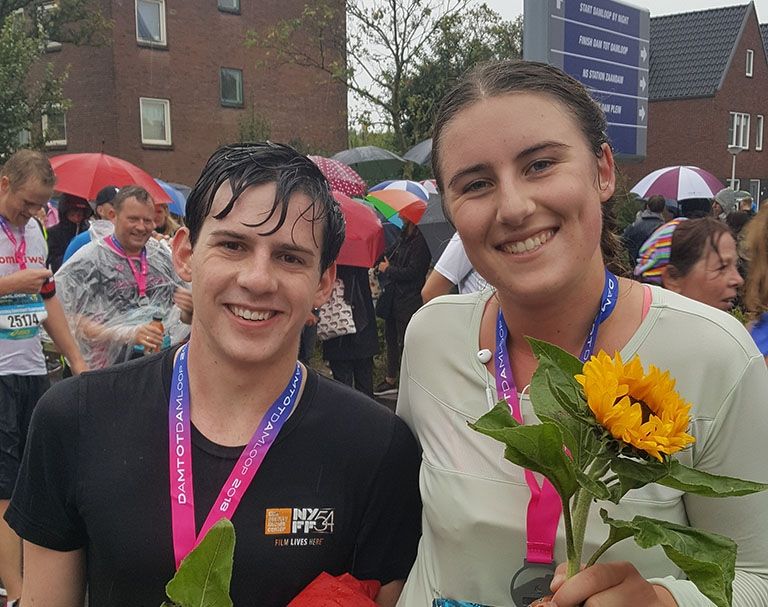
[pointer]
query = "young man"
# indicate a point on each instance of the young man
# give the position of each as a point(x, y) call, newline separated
point(113, 287)
point(108, 479)
point(27, 300)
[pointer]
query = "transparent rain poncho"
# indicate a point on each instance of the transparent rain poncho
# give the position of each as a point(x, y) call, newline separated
point(101, 300)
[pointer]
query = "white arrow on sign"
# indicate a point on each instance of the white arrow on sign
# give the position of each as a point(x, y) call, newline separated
point(642, 83)
point(641, 112)
point(643, 53)
point(559, 4)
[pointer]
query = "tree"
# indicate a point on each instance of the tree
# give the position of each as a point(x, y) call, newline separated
point(372, 51)
point(27, 28)
point(460, 42)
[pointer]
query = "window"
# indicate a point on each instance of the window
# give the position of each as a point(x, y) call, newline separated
point(759, 134)
point(55, 129)
point(754, 189)
point(750, 62)
point(150, 22)
point(738, 132)
point(155, 121)
point(229, 6)
point(231, 87)
point(51, 45)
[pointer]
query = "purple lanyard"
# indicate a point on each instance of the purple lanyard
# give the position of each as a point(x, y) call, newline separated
point(139, 276)
point(19, 247)
point(545, 506)
point(180, 458)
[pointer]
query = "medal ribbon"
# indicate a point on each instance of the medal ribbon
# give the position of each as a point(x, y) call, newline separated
point(19, 247)
point(545, 506)
point(139, 275)
point(180, 458)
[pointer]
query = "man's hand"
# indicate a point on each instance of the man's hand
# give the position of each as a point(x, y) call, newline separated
point(27, 281)
point(148, 336)
point(383, 265)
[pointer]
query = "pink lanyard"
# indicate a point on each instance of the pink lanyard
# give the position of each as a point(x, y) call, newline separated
point(180, 458)
point(139, 276)
point(19, 247)
point(545, 506)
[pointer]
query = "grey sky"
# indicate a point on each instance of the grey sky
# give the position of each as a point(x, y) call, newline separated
point(509, 9)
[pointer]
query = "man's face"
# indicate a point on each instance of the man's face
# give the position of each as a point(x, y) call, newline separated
point(134, 224)
point(252, 292)
point(22, 202)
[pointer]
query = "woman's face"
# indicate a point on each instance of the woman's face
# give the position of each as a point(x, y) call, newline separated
point(714, 279)
point(524, 190)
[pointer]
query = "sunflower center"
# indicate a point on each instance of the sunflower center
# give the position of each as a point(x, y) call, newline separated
point(645, 409)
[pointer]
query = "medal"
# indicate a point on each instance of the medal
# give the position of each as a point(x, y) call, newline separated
point(531, 583)
point(143, 301)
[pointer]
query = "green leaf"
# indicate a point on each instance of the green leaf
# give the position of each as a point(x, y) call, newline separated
point(597, 488)
point(557, 397)
point(634, 474)
point(563, 360)
point(707, 559)
point(204, 575)
point(695, 481)
point(537, 447)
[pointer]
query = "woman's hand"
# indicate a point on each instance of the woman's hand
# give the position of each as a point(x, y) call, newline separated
point(608, 585)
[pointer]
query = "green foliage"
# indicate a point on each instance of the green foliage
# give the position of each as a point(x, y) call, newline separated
point(26, 28)
point(708, 559)
point(253, 126)
point(538, 448)
point(460, 42)
point(204, 577)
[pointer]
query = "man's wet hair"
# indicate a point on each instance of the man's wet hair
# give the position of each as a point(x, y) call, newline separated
point(244, 165)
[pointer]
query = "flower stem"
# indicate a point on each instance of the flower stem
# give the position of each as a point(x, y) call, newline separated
point(581, 505)
point(574, 562)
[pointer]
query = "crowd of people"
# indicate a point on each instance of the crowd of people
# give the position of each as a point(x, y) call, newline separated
point(199, 401)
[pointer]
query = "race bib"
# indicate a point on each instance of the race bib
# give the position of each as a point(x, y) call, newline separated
point(21, 315)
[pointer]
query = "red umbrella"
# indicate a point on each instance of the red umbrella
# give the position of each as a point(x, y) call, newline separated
point(364, 241)
point(341, 591)
point(85, 174)
point(679, 183)
point(341, 177)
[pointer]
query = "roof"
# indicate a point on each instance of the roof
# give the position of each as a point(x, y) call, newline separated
point(764, 34)
point(704, 39)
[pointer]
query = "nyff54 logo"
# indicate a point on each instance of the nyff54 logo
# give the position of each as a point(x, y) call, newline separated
point(292, 521)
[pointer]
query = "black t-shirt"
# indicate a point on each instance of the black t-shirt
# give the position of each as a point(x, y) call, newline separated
point(337, 492)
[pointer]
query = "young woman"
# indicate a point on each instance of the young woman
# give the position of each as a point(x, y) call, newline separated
point(521, 156)
point(696, 258)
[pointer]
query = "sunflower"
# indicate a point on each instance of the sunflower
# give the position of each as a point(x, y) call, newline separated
point(641, 410)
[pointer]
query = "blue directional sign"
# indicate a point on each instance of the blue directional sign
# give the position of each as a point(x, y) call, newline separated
point(604, 45)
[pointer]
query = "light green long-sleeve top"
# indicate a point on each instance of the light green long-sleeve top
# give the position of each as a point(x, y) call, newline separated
point(474, 500)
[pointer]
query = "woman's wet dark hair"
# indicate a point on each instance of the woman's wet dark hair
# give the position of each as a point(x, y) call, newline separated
point(689, 240)
point(496, 78)
point(244, 165)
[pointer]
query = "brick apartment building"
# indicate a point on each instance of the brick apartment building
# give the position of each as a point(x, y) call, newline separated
point(708, 88)
point(177, 80)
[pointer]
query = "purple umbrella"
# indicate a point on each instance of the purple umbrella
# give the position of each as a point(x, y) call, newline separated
point(679, 183)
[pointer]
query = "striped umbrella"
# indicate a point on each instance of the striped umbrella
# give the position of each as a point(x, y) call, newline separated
point(399, 199)
point(679, 183)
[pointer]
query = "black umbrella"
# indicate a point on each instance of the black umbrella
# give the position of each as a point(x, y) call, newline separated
point(421, 153)
point(435, 227)
point(374, 164)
